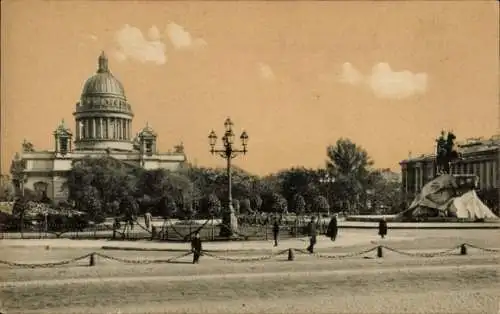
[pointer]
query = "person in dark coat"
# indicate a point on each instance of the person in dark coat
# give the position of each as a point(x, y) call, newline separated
point(312, 234)
point(382, 228)
point(196, 248)
point(332, 228)
point(276, 231)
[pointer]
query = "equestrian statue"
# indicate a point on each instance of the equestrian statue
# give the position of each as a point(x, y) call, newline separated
point(445, 152)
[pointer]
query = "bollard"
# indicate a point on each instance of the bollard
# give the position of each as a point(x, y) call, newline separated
point(153, 232)
point(463, 249)
point(92, 260)
point(379, 251)
point(291, 257)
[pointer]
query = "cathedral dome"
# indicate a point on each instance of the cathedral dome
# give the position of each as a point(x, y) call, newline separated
point(103, 83)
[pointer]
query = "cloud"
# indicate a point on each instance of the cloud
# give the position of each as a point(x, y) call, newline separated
point(133, 45)
point(182, 39)
point(350, 75)
point(265, 71)
point(154, 33)
point(386, 83)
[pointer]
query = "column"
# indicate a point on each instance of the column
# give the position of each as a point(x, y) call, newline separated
point(77, 135)
point(97, 128)
point(125, 129)
point(85, 128)
point(495, 174)
point(101, 129)
point(120, 129)
point(487, 172)
point(482, 175)
point(416, 179)
point(108, 125)
point(129, 129)
point(127, 123)
point(421, 176)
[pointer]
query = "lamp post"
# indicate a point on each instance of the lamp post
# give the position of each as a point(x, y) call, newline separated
point(327, 180)
point(228, 152)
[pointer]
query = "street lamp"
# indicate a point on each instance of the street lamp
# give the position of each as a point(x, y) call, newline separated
point(228, 152)
point(326, 180)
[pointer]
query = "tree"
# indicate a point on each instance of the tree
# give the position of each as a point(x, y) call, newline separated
point(256, 202)
point(159, 183)
point(211, 206)
point(245, 206)
point(299, 204)
point(299, 181)
point(6, 189)
point(95, 183)
point(236, 206)
point(276, 203)
point(385, 194)
point(166, 207)
point(320, 205)
point(349, 165)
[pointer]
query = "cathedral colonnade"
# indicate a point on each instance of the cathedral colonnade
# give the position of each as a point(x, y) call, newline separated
point(103, 128)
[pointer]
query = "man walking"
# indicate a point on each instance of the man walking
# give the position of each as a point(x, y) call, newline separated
point(312, 234)
point(196, 248)
point(382, 228)
point(276, 231)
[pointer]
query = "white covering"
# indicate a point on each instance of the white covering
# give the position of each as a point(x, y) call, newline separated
point(470, 206)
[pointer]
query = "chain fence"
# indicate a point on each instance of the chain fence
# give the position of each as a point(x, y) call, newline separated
point(46, 265)
point(290, 252)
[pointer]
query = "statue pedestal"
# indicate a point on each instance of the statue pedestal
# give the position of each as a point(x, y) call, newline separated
point(229, 223)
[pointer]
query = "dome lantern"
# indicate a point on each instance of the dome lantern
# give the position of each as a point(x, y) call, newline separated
point(103, 63)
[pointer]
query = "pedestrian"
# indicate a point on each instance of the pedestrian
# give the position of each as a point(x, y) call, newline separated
point(332, 229)
point(196, 248)
point(276, 231)
point(312, 234)
point(382, 227)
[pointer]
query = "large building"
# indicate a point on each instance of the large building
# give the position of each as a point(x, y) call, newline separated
point(103, 127)
point(480, 158)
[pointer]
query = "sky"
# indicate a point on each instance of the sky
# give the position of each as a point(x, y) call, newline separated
point(296, 76)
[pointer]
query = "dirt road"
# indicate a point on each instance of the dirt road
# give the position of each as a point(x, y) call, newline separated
point(420, 287)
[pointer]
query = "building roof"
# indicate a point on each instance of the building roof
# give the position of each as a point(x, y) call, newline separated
point(468, 147)
point(103, 82)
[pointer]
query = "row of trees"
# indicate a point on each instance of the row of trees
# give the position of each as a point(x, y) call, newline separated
point(109, 187)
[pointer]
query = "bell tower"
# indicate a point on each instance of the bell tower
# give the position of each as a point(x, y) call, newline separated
point(147, 141)
point(63, 139)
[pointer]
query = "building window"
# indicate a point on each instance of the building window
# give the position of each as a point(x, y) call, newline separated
point(63, 143)
point(149, 148)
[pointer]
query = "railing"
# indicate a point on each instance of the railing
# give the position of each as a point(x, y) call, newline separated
point(290, 253)
point(166, 231)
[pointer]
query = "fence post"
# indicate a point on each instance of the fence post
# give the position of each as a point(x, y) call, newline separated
point(463, 249)
point(379, 251)
point(213, 229)
point(291, 256)
point(92, 260)
point(153, 232)
point(266, 231)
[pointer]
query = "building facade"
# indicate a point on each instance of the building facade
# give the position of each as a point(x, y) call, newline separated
point(480, 161)
point(103, 127)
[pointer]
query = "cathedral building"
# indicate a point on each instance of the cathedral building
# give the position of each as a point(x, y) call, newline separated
point(103, 127)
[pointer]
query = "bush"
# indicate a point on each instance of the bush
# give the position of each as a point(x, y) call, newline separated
point(245, 207)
